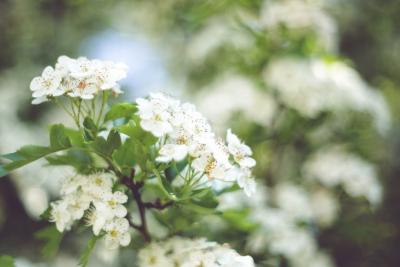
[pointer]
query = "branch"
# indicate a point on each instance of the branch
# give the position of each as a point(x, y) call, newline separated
point(135, 189)
point(158, 204)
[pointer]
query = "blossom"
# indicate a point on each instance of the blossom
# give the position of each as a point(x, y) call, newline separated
point(332, 166)
point(154, 115)
point(80, 78)
point(48, 84)
point(239, 151)
point(184, 132)
point(117, 233)
point(61, 216)
point(155, 255)
point(171, 152)
point(179, 251)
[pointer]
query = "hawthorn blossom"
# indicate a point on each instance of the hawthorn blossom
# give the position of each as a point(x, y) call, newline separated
point(179, 251)
point(186, 134)
point(60, 216)
point(240, 152)
point(48, 84)
point(91, 197)
point(80, 78)
point(117, 233)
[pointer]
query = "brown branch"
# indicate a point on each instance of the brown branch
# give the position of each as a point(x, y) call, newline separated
point(135, 189)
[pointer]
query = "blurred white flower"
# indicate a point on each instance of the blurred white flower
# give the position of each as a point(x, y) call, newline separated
point(325, 207)
point(333, 166)
point(312, 86)
point(301, 18)
point(293, 200)
point(185, 252)
point(220, 100)
point(48, 84)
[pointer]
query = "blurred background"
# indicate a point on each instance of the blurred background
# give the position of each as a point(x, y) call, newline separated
point(313, 86)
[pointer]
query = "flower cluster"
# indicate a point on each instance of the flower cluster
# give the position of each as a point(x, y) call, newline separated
point(302, 18)
point(81, 78)
point(185, 133)
point(288, 209)
point(92, 197)
point(333, 166)
point(312, 86)
point(184, 252)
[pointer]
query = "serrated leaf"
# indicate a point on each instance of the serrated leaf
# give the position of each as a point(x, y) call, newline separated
point(124, 156)
point(51, 238)
point(58, 138)
point(84, 258)
point(120, 110)
point(132, 129)
point(6, 261)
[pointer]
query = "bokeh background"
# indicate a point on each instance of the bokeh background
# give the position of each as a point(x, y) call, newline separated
point(313, 86)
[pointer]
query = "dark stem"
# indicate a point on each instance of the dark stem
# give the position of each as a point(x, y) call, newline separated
point(135, 189)
point(158, 204)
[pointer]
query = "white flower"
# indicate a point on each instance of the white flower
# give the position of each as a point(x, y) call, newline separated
point(239, 151)
point(77, 203)
point(61, 216)
point(98, 184)
point(84, 89)
point(179, 251)
point(246, 181)
point(96, 219)
point(154, 255)
point(48, 84)
point(171, 152)
point(154, 115)
point(117, 233)
point(110, 205)
point(333, 166)
point(80, 77)
point(72, 184)
point(294, 201)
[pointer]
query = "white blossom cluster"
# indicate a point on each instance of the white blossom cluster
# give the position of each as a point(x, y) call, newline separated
point(312, 86)
point(185, 133)
point(179, 251)
point(283, 214)
point(81, 77)
point(91, 197)
point(333, 166)
point(300, 17)
point(219, 101)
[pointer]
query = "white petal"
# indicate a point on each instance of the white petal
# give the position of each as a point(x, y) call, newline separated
point(125, 239)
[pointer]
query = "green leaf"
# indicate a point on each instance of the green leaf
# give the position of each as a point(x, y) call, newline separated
point(58, 138)
point(238, 219)
point(51, 238)
point(124, 156)
point(113, 140)
point(203, 202)
point(100, 145)
point(77, 158)
point(84, 258)
point(133, 130)
point(121, 110)
point(6, 261)
point(90, 129)
point(26, 155)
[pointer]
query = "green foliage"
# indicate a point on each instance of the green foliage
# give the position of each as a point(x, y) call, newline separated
point(84, 258)
point(51, 238)
point(6, 261)
point(120, 110)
